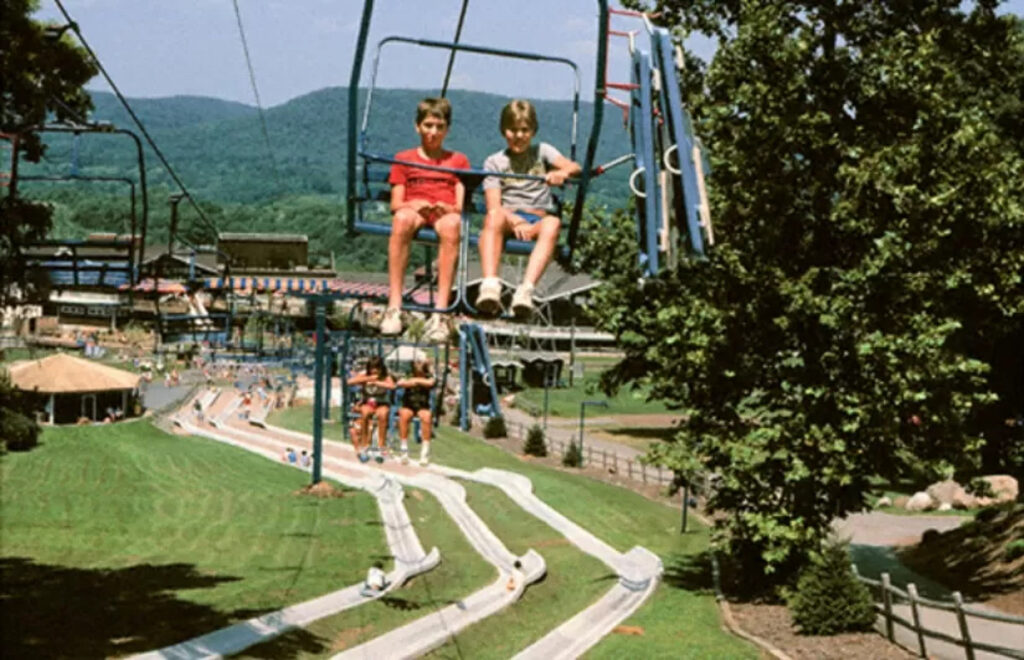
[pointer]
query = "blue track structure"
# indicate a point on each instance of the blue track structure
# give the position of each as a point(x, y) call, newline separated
point(477, 386)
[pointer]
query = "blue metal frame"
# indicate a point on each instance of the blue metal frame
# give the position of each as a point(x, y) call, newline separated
point(681, 132)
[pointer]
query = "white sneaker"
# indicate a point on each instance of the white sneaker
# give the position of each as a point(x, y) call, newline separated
point(436, 330)
point(391, 324)
point(405, 455)
point(522, 301)
point(425, 455)
point(488, 300)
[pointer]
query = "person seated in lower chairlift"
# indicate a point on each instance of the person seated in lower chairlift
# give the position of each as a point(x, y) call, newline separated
point(375, 403)
point(416, 403)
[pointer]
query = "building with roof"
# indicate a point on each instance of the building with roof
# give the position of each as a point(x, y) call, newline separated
point(72, 387)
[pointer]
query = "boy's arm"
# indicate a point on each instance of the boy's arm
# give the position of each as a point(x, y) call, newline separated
point(492, 197)
point(563, 169)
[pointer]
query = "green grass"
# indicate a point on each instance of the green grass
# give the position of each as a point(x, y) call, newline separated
point(565, 402)
point(461, 572)
point(618, 516)
point(574, 580)
point(124, 538)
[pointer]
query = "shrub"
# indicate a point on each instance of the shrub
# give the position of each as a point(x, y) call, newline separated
point(534, 445)
point(573, 457)
point(19, 432)
point(828, 598)
point(1015, 549)
point(495, 428)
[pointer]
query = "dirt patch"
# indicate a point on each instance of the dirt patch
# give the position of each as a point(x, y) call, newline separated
point(974, 559)
point(416, 495)
point(773, 624)
point(322, 489)
point(348, 637)
point(628, 630)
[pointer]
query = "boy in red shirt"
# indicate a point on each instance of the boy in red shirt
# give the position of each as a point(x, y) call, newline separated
point(421, 198)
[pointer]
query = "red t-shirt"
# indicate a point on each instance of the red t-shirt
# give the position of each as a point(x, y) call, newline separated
point(429, 185)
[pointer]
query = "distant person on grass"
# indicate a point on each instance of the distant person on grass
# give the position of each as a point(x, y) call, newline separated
point(375, 403)
point(425, 198)
point(416, 403)
point(524, 208)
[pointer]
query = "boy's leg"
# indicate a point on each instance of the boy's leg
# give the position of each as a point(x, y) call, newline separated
point(448, 229)
point(404, 419)
point(545, 233)
point(404, 225)
point(382, 426)
point(492, 241)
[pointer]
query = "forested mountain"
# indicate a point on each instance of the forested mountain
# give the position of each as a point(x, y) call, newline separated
point(218, 149)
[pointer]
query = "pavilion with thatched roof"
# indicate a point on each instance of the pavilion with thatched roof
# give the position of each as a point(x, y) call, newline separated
point(73, 387)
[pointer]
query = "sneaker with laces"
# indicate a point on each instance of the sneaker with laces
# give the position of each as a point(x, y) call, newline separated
point(405, 457)
point(522, 301)
point(391, 324)
point(437, 330)
point(488, 301)
point(363, 457)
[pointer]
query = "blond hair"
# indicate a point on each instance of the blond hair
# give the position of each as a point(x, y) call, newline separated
point(518, 110)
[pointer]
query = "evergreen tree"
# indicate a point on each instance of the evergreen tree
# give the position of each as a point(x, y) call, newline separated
point(828, 598)
point(534, 445)
point(573, 457)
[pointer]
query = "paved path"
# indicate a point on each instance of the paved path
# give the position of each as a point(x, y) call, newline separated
point(873, 536)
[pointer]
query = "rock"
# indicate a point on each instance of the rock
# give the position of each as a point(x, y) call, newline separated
point(1004, 487)
point(945, 506)
point(965, 501)
point(901, 502)
point(884, 500)
point(946, 492)
point(920, 501)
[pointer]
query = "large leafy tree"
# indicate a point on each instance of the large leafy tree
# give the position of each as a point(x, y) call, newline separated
point(864, 311)
point(41, 74)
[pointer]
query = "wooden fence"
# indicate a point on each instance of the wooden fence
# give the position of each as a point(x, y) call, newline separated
point(608, 460)
point(893, 596)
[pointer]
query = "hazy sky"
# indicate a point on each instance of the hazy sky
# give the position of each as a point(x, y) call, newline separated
point(155, 48)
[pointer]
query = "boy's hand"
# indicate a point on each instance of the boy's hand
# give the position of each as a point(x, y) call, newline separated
point(524, 231)
point(556, 178)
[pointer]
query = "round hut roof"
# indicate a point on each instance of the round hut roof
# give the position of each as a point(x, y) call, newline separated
point(62, 374)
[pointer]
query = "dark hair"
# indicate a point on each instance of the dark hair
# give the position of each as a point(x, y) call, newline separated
point(376, 363)
point(421, 368)
point(431, 107)
point(518, 110)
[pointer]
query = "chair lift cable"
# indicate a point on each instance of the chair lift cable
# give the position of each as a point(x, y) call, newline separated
point(256, 94)
point(138, 122)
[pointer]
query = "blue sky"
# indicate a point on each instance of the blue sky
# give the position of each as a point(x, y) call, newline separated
point(157, 48)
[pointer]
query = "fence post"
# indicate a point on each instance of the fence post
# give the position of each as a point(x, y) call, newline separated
point(961, 618)
point(659, 474)
point(615, 462)
point(912, 592)
point(590, 454)
point(643, 472)
point(604, 459)
point(887, 603)
point(629, 466)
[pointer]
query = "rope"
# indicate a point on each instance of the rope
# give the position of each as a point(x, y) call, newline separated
point(256, 94)
point(138, 122)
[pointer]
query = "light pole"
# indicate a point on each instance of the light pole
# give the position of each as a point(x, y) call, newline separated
point(583, 408)
point(547, 385)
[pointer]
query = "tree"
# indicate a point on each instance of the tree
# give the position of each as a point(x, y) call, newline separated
point(18, 428)
point(868, 193)
point(41, 74)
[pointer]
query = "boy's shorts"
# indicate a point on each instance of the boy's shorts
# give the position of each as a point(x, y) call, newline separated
point(531, 218)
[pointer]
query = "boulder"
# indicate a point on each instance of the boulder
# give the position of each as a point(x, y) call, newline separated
point(946, 492)
point(883, 501)
point(901, 502)
point(964, 501)
point(920, 501)
point(945, 506)
point(1004, 487)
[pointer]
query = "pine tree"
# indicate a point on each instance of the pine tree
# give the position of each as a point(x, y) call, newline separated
point(828, 598)
point(534, 445)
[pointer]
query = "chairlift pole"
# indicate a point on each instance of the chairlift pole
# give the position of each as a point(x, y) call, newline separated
point(451, 56)
point(318, 389)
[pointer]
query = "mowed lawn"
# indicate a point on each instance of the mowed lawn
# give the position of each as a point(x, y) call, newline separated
point(679, 621)
point(122, 538)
